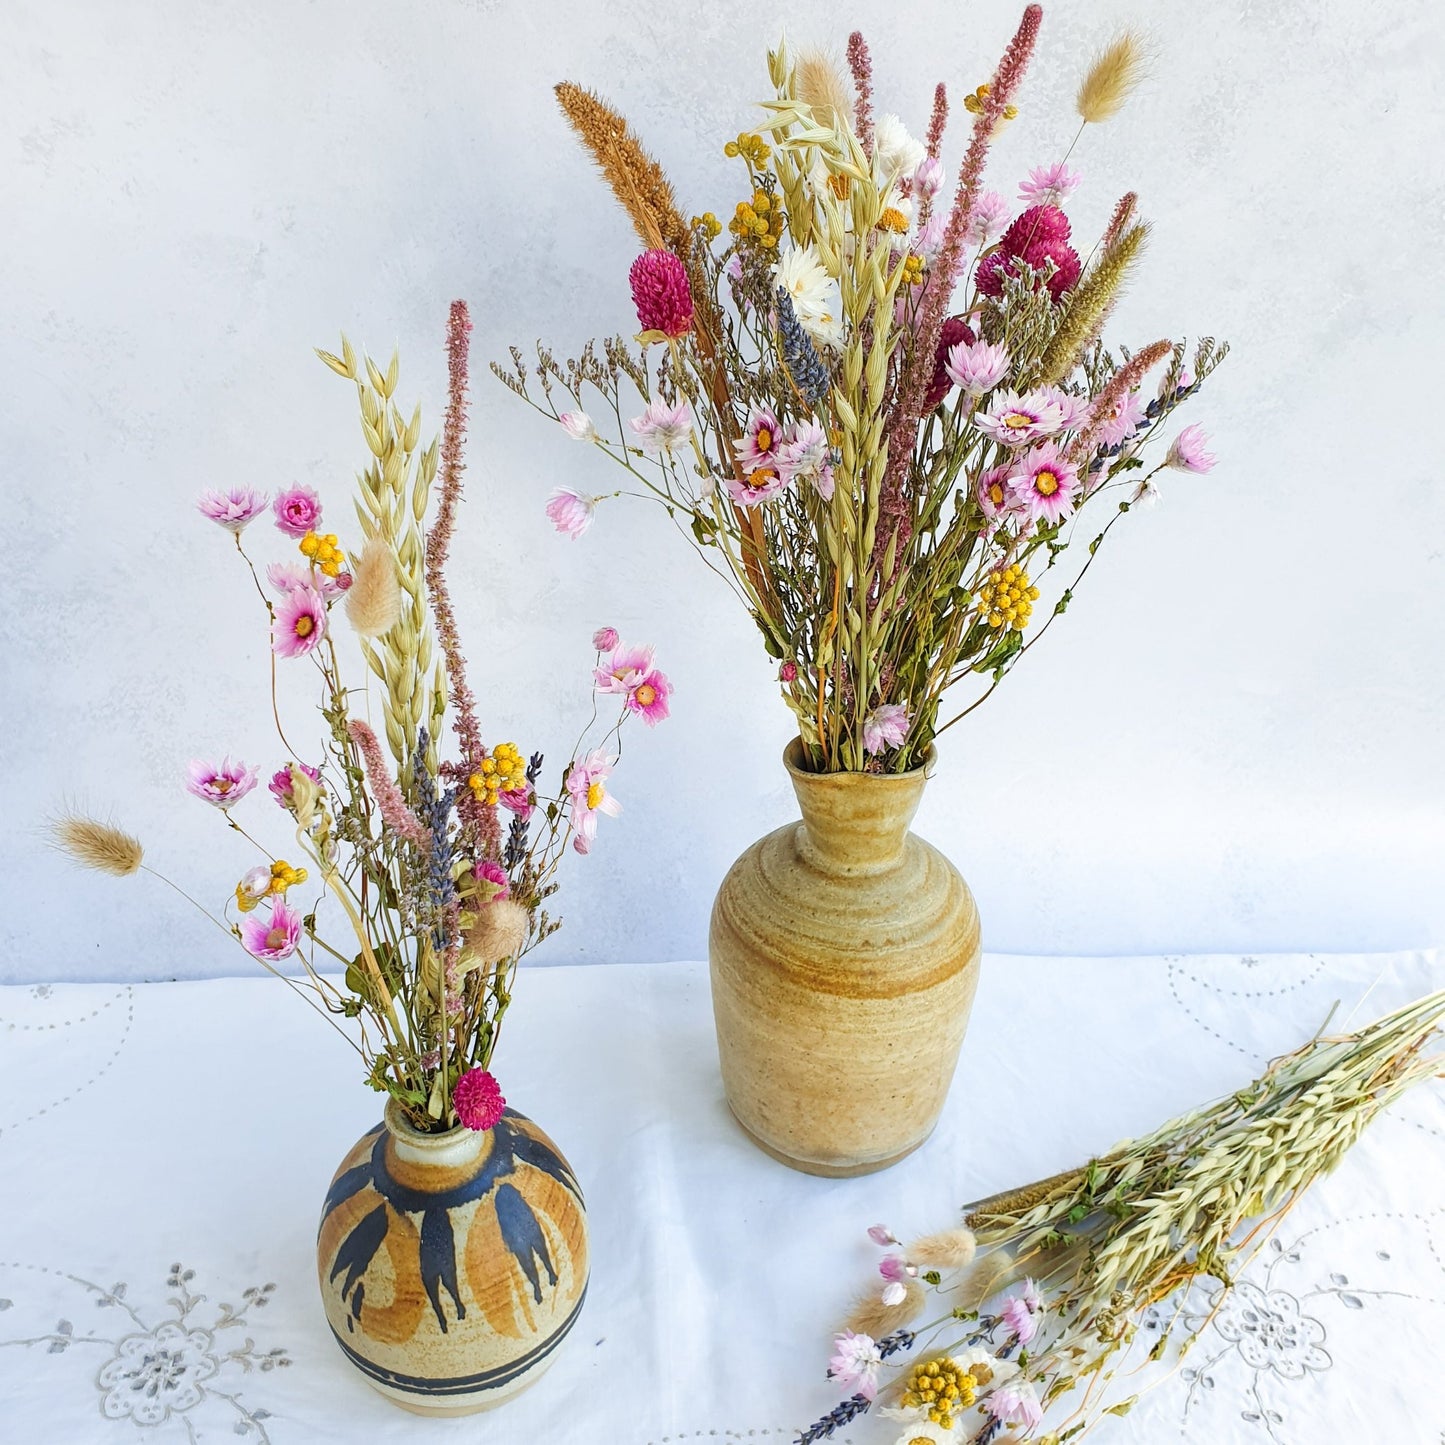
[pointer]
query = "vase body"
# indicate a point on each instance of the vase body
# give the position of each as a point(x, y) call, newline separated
point(844, 958)
point(452, 1266)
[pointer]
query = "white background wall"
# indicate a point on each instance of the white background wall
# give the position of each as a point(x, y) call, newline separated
point(1231, 742)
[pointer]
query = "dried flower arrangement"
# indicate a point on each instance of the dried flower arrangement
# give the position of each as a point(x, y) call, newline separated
point(884, 412)
point(440, 870)
point(1043, 1290)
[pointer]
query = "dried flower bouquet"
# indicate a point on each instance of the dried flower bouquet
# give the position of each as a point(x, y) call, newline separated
point(878, 413)
point(1039, 1297)
point(436, 870)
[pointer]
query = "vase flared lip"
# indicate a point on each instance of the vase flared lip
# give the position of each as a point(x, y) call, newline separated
point(793, 753)
point(398, 1125)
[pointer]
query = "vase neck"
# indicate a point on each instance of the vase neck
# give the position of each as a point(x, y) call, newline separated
point(856, 822)
point(455, 1149)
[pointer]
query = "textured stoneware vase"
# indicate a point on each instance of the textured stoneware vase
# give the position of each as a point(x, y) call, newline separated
point(844, 958)
point(452, 1265)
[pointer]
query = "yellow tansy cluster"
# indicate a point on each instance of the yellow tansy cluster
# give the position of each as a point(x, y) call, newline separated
point(283, 876)
point(913, 270)
point(1007, 599)
point(503, 770)
point(753, 149)
point(940, 1388)
point(759, 220)
point(324, 552)
point(973, 104)
point(710, 225)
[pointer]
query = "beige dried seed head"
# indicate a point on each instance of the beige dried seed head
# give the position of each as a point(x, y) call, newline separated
point(97, 845)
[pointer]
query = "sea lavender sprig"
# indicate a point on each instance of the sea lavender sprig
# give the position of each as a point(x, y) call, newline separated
point(800, 356)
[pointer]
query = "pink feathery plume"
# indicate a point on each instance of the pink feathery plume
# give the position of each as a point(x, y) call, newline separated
point(1119, 385)
point(1123, 214)
point(394, 811)
point(938, 120)
point(908, 412)
point(861, 64)
point(481, 819)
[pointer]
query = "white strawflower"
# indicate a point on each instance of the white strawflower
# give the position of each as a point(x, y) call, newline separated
point(896, 155)
point(816, 298)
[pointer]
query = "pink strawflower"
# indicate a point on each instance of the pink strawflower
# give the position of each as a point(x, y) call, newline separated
point(1073, 410)
point(881, 1234)
point(571, 511)
point(660, 293)
point(788, 672)
point(1118, 423)
point(274, 936)
point(281, 786)
point(662, 428)
point(605, 639)
point(987, 219)
point(956, 332)
point(1020, 1319)
point(928, 178)
point(492, 872)
point(761, 441)
point(579, 426)
point(1015, 1402)
point(885, 727)
point(298, 510)
point(930, 235)
point(520, 801)
point(234, 510)
point(805, 457)
point(300, 622)
point(221, 784)
point(855, 1363)
point(756, 487)
point(995, 496)
point(1017, 420)
point(1044, 483)
point(1049, 185)
point(588, 796)
point(477, 1099)
point(1186, 452)
point(288, 576)
point(893, 1267)
point(648, 699)
point(977, 366)
point(624, 669)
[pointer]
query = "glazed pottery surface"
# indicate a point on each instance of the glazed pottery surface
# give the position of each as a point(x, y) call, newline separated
point(844, 954)
point(452, 1265)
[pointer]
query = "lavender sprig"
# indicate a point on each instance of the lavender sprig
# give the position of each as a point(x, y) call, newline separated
point(835, 1419)
point(800, 356)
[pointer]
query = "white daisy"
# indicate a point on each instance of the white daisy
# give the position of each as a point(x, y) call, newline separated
point(815, 295)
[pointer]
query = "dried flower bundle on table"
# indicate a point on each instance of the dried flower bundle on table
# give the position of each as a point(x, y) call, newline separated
point(425, 872)
point(879, 411)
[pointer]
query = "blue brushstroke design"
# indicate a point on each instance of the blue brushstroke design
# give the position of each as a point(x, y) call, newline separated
point(523, 1237)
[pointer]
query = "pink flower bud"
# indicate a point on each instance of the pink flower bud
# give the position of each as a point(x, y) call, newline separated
point(881, 1234)
point(786, 673)
point(605, 639)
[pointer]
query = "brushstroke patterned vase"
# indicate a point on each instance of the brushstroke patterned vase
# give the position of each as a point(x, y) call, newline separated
point(453, 1265)
point(844, 957)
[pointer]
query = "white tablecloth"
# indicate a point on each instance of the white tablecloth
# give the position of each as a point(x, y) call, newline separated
point(195, 1125)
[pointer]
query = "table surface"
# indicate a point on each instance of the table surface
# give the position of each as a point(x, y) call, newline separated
point(196, 1125)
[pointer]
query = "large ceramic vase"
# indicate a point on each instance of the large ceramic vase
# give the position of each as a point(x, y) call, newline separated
point(844, 957)
point(452, 1265)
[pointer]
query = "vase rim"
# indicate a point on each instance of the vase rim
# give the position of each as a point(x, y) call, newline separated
point(794, 751)
point(394, 1117)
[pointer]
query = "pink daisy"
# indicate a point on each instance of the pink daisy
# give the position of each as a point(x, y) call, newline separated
point(274, 936)
point(662, 428)
point(762, 439)
point(1049, 185)
point(1018, 420)
point(756, 486)
point(298, 510)
point(1186, 452)
point(281, 786)
point(661, 294)
point(520, 801)
point(624, 670)
point(1120, 425)
point(1074, 409)
point(300, 622)
point(855, 1363)
point(579, 426)
point(885, 727)
point(1044, 484)
point(571, 511)
point(588, 796)
point(477, 1099)
point(234, 510)
point(288, 576)
point(995, 496)
point(987, 219)
point(977, 367)
point(648, 699)
point(220, 784)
